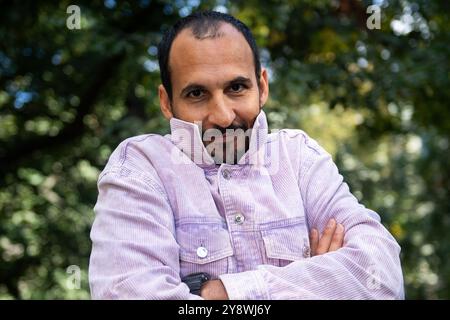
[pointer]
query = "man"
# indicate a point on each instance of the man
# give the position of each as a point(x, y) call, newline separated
point(220, 209)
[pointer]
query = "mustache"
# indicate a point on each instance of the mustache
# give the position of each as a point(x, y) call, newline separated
point(230, 127)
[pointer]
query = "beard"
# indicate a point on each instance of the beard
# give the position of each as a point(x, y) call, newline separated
point(227, 145)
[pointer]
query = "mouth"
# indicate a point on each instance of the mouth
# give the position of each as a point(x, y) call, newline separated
point(223, 139)
point(227, 147)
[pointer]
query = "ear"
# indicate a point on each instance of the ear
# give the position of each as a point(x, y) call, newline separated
point(263, 87)
point(164, 102)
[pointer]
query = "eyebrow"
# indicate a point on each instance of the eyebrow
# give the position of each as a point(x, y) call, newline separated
point(195, 86)
point(240, 79)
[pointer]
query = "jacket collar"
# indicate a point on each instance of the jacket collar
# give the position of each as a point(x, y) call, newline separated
point(186, 136)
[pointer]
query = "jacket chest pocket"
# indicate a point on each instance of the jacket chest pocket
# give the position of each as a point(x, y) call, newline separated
point(205, 246)
point(285, 241)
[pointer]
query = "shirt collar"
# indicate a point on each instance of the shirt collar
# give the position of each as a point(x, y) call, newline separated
point(186, 136)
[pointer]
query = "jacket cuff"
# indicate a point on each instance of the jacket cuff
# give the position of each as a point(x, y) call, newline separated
point(248, 285)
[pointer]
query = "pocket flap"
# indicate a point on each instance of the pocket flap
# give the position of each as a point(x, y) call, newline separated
point(202, 242)
point(288, 242)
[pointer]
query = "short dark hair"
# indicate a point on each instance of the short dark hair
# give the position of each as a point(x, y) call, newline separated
point(204, 24)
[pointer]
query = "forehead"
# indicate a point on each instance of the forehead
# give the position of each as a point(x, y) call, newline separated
point(210, 59)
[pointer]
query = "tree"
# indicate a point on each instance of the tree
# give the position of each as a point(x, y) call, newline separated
point(376, 99)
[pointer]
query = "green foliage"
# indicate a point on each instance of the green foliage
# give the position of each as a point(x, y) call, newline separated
point(376, 99)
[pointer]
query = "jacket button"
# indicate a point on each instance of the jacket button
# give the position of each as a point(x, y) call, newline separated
point(202, 252)
point(306, 252)
point(239, 218)
point(226, 174)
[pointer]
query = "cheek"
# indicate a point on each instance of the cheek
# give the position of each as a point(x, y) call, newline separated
point(248, 109)
point(189, 113)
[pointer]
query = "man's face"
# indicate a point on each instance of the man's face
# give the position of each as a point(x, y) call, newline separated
point(214, 83)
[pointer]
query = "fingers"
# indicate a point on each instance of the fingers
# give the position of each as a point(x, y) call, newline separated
point(325, 240)
point(332, 238)
point(338, 238)
point(314, 241)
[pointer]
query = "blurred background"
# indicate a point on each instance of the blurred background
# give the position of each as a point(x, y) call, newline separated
point(376, 99)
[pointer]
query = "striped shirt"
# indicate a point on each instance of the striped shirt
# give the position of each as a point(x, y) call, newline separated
point(166, 210)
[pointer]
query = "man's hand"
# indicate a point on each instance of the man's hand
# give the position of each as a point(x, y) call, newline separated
point(213, 290)
point(331, 240)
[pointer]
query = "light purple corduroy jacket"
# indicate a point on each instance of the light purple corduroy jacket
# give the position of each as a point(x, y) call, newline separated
point(165, 210)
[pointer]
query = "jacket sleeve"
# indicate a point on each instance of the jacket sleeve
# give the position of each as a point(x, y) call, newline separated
point(134, 251)
point(366, 267)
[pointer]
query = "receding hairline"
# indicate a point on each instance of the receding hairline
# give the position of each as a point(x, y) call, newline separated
point(210, 31)
point(218, 33)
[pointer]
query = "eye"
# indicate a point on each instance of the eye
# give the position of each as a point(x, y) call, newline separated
point(196, 93)
point(236, 87)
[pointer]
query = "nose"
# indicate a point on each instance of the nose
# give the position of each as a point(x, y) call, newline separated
point(221, 114)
